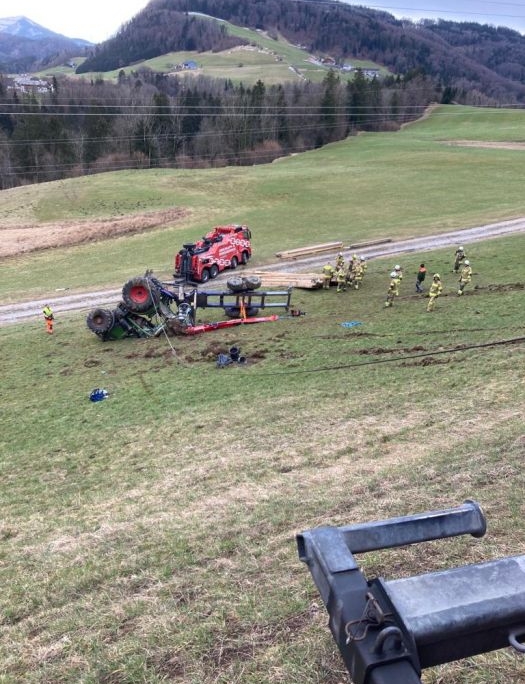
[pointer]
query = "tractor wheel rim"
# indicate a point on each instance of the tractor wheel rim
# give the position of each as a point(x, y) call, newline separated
point(139, 294)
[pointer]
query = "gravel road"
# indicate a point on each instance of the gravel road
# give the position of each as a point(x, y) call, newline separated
point(14, 313)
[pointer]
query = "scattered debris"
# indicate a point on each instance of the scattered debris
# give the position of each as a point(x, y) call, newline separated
point(98, 394)
point(350, 324)
point(234, 356)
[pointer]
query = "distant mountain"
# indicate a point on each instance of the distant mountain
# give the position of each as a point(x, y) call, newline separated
point(26, 46)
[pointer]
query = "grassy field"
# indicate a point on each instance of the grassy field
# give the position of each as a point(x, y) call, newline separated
point(370, 186)
point(151, 537)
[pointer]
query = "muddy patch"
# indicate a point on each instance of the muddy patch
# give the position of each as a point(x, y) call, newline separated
point(23, 238)
point(425, 361)
point(396, 350)
point(508, 287)
point(92, 363)
point(242, 643)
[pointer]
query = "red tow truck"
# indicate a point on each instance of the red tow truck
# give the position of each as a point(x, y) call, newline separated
point(224, 247)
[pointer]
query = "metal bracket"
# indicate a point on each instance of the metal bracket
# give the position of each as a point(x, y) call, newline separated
point(388, 631)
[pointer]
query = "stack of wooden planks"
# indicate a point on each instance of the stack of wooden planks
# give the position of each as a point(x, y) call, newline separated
point(306, 281)
point(312, 249)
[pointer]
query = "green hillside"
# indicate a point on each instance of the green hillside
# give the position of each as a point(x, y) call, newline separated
point(269, 60)
point(151, 537)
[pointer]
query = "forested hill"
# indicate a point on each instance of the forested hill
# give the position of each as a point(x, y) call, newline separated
point(471, 57)
point(155, 31)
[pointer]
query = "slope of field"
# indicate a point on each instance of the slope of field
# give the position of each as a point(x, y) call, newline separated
point(151, 537)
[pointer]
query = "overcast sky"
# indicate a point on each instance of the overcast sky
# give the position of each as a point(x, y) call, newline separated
point(97, 20)
point(94, 20)
point(511, 13)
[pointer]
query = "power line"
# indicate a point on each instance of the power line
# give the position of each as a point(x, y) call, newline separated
point(378, 115)
point(346, 366)
point(368, 5)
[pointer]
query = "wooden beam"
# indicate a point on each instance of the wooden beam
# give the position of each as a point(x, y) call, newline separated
point(307, 281)
point(312, 249)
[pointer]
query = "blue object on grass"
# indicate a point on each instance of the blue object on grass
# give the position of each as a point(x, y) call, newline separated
point(223, 360)
point(351, 324)
point(98, 394)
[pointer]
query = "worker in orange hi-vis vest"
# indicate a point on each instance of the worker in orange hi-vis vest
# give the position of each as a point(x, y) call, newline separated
point(49, 318)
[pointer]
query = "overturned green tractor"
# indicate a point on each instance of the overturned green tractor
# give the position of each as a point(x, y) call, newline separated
point(149, 307)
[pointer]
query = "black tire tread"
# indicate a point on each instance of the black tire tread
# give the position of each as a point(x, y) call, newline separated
point(100, 321)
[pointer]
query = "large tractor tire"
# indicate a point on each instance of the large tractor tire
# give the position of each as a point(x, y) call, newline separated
point(100, 321)
point(139, 294)
point(252, 282)
point(235, 311)
point(236, 284)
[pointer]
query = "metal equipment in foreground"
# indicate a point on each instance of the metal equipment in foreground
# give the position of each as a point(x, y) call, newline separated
point(388, 631)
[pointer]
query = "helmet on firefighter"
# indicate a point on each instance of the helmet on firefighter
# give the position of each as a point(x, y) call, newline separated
point(437, 276)
point(467, 262)
point(397, 267)
point(363, 258)
point(340, 254)
point(460, 248)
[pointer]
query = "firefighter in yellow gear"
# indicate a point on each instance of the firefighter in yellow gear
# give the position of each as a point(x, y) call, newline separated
point(435, 290)
point(340, 261)
point(328, 274)
point(399, 273)
point(465, 276)
point(459, 256)
point(340, 276)
point(349, 275)
point(49, 318)
point(392, 290)
point(358, 272)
